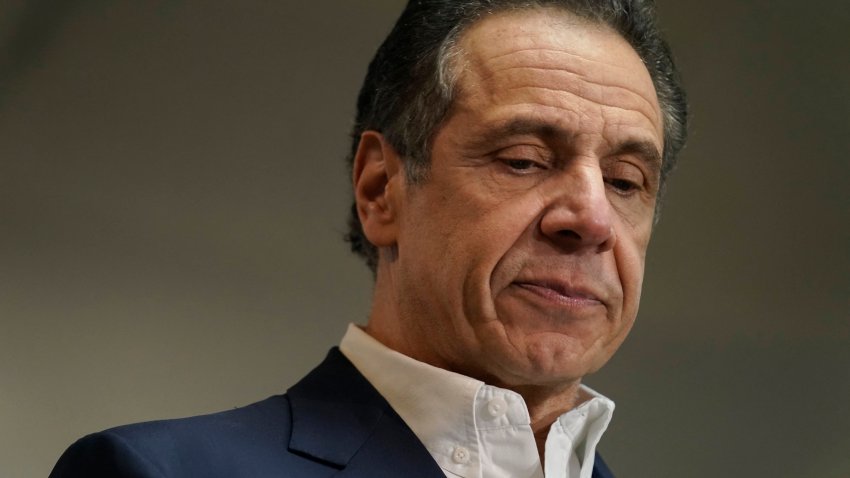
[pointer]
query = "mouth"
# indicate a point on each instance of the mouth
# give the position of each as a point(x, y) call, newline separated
point(560, 293)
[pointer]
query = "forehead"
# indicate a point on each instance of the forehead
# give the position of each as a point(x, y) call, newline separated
point(554, 56)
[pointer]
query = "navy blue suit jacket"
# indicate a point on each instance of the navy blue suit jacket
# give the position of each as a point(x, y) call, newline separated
point(331, 423)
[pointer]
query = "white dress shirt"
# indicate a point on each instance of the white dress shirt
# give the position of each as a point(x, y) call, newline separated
point(474, 430)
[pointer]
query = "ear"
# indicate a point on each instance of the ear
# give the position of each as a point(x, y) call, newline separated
point(376, 175)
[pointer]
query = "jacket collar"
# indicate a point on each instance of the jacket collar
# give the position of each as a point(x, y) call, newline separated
point(339, 419)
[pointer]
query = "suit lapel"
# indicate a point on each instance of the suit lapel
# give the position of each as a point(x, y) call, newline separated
point(339, 419)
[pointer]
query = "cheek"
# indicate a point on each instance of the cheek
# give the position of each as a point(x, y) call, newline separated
point(490, 231)
point(630, 260)
point(477, 222)
point(478, 239)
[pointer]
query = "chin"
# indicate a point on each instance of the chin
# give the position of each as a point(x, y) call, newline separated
point(550, 359)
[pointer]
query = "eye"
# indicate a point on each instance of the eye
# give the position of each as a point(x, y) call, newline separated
point(623, 186)
point(520, 164)
point(523, 166)
point(624, 178)
point(524, 157)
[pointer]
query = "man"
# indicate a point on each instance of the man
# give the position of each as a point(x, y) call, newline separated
point(507, 163)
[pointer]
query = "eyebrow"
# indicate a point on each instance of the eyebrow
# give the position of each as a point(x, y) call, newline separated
point(522, 126)
point(645, 150)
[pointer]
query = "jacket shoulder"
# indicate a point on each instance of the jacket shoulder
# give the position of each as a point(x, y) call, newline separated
point(331, 423)
point(247, 441)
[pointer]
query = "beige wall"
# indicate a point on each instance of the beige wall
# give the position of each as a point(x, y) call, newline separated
point(173, 196)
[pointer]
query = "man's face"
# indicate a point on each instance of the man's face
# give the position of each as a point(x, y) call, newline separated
point(520, 258)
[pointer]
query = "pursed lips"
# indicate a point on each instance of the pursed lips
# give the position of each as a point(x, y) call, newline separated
point(560, 292)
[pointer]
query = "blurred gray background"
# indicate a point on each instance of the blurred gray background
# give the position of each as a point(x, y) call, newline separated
point(173, 197)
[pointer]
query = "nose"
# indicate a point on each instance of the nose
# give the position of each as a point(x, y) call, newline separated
point(579, 216)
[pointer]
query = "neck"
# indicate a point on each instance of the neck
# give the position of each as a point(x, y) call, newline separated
point(545, 405)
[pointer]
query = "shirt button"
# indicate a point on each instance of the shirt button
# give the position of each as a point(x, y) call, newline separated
point(460, 455)
point(497, 407)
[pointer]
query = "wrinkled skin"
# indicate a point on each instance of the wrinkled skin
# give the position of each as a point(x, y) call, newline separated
point(519, 260)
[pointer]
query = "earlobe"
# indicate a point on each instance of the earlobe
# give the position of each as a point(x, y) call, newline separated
point(375, 175)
